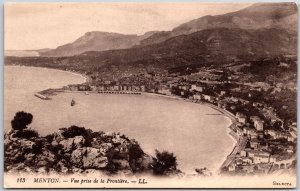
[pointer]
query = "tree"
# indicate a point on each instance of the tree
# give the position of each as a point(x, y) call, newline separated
point(163, 162)
point(21, 120)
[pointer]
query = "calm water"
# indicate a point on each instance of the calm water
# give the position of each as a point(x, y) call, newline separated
point(197, 139)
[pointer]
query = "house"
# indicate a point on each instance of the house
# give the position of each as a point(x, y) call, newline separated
point(208, 98)
point(73, 87)
point(136, 88)
point(197, 96)
point(241, 117)
point(261, 158)
point(252, 134)
point(222, 93)
point(248, 168)
point(260, 134)
point(93, 88)
point(257, 156)
point(101, 88)
point(197, 88)
point(247, 160)
point(292, 136)
point(246, 130)
point(184, 87)
point(231, 167)
point(259, 125)
point(116, 88)
point(256, 104)
point(254, 118)
point(277, 134)
point(143, 88)
point(254, 143)
point(83, 87)
point(165, 92)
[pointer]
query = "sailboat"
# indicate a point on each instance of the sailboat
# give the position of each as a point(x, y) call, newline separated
point(72, 102)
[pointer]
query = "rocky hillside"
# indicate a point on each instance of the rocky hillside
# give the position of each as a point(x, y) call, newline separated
point(78, 150)
point(63, 152)
point(97, 41)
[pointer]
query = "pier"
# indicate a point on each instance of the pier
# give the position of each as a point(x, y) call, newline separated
point(41, 96)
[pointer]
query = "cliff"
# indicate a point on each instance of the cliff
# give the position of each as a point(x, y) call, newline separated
point(73, 150)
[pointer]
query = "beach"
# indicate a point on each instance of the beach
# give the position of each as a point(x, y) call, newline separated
point(156, 122)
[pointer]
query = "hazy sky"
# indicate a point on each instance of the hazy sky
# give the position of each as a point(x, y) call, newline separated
point(45, 25)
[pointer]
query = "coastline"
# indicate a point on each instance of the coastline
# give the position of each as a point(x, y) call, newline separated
point(230, 116)
point(86, 78)
point(222, 111)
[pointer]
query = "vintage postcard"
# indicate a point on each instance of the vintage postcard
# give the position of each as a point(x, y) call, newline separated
point(150, 95)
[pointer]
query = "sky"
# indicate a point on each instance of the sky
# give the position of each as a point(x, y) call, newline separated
point(30, 26)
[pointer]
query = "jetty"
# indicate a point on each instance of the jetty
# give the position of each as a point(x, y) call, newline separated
point(41, 96)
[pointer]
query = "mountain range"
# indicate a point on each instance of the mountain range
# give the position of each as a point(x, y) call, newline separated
point(258, 16)
point(261, 30)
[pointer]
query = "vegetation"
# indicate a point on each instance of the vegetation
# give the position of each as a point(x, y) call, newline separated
point(74, 131)
point(21, 120)
point(164, 162)
point(27, 134)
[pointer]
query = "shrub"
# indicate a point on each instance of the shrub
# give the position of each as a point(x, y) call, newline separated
point(163, 162)
point(74, 131)
point(21, 120)
point(27, 134)
point(49, 138)
point(135, 152)
point(37, 147)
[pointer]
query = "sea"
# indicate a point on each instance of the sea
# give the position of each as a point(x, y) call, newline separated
point(196, 134)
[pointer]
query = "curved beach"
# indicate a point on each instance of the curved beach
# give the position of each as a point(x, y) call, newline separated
point(196, 138)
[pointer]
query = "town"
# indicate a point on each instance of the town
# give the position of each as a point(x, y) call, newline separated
point(265, 133)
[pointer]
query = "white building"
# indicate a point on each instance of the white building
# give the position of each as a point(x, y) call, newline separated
point(197, 88)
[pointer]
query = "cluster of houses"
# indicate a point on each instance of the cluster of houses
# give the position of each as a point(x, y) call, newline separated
point(258, 154)
point(120, 87)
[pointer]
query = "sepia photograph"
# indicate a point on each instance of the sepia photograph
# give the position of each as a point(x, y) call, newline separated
point(150, 95)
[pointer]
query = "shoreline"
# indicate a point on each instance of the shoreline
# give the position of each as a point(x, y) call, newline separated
point(223, 112)
point(59, 70)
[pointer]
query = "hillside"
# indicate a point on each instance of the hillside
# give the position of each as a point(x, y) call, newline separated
point(257, 16)
point(210, 45)
point(96, 41)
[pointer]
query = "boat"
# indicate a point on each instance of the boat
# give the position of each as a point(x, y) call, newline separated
point(86, 93)
point(72, 102)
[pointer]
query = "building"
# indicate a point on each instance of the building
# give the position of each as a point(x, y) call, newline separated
point(73, 87)
point(93, 88)
point(241, 117)
point(165, 91)
point(208, 98)
point(197, 96)
point(222, 93)
point(259, 125)
point(143, 88)
point(83, 87)
point(254, 144)
point(115, 88)
point(256, 155)
point(254, 118)
point(197, 88)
